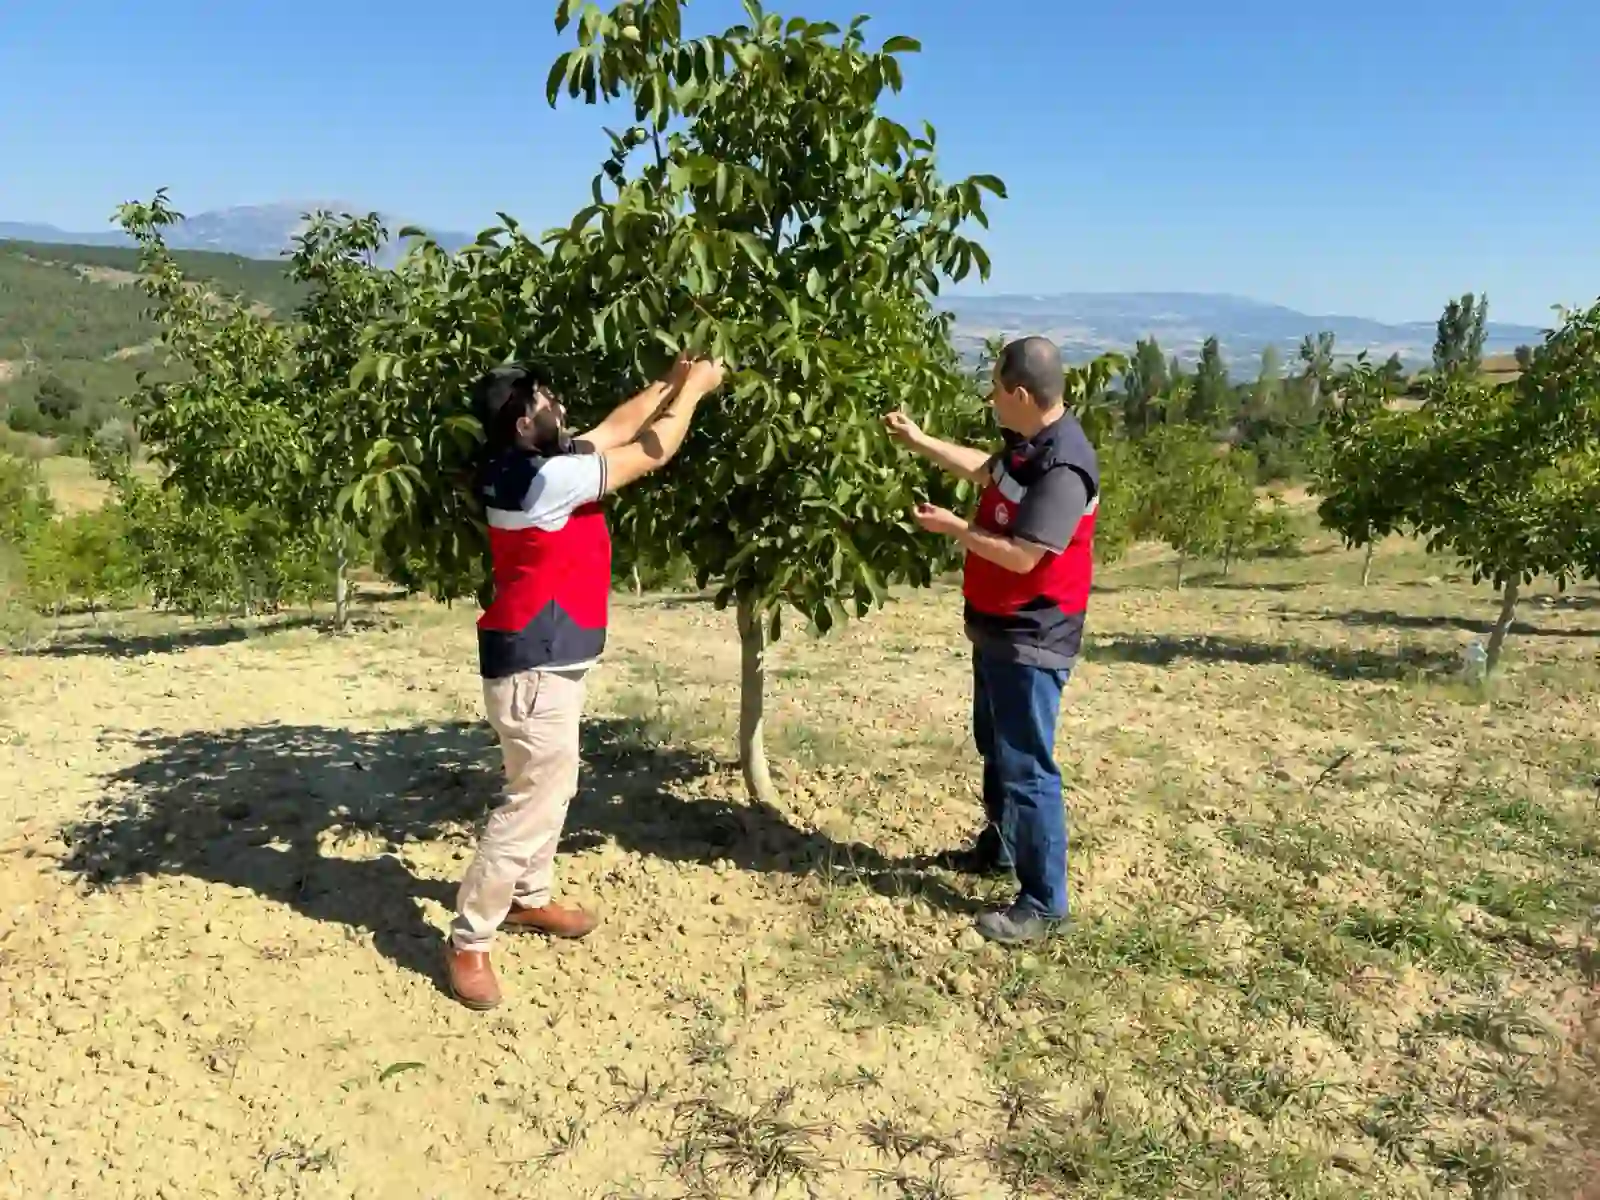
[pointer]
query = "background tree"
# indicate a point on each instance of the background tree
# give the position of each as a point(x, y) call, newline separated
point(1463, 328)
point(1268, 389)
point(1088, 395)
point(1363, 500)
point(228, 432)
point(1142, 386)
point(1211, 396)
point(1316, 366)
point(1192, 495)
point(1394, 374)
point(336, 257)
point(1507, 477)
point(1124, 483)
point(1524, 356)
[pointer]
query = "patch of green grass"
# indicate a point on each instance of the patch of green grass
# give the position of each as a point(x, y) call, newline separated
point(1264, 1090)
point(1485, 816)
point(1397, 1123)
point(1505, 1025)
point(894, 1139)
point(811, 743)
point(1532, 903)
point(886, 996)
point(1153, 943)
point(1275, 985)
point(914, 1187)
point(1103, 1156)
point(656, 717)
point(1419, 931)
point(1305, 848)
point(708, 1038)
point(760, 1148)
point(1487, 1168)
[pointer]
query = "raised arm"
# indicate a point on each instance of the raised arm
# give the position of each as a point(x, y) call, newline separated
point(624, 423)
point(967, 462)
point(655, 445)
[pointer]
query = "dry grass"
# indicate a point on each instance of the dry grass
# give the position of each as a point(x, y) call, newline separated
point(73, 484)
point(1334, 929)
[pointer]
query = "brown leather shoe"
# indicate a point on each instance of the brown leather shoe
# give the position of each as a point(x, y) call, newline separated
point(472, 979)
point(553, 920)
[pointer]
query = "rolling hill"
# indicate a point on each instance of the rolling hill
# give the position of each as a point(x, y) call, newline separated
point(73, 330)
point(69, 312)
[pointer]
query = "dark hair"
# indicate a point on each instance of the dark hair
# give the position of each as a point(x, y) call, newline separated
point(501, 398)
point(1034, 363)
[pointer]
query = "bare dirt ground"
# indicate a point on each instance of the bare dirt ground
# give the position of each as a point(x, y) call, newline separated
point(1333, 936)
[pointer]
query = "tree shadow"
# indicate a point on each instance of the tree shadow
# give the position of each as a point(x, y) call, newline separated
point(1395, 620)
point(252, 808)
point(1227, 583)
point(110, 643)
point(686, 599)
point(1346, 663)
point(1214, 581)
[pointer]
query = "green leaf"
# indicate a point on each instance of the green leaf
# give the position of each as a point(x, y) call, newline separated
point(901, 44)
point(398, 1068)
point(991, 183)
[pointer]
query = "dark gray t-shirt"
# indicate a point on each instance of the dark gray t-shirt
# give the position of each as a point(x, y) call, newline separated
point(1050, 512)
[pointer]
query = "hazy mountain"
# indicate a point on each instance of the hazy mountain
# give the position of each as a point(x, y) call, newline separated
point(1083, 323)
point(27, 231)
point(1088, 323)
point(254, 230)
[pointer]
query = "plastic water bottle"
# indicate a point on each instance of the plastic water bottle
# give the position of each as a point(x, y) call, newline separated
point(1474, 662)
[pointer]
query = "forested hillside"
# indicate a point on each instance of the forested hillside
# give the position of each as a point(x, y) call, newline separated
point(74, 335)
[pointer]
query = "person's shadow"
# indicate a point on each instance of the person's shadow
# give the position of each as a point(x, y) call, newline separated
point(253, 808)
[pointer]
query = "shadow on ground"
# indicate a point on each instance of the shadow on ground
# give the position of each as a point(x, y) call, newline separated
point(113, 643)
point(1344, 663)
point(1396, 620)
point(247, 808)
point(1208, 582)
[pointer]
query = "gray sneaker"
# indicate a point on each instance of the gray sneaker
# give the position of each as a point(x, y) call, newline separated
point(1015, 926)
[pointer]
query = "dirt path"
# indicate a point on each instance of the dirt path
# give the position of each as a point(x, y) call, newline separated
point(227, 861)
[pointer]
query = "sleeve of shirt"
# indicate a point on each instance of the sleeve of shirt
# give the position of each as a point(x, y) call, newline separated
point(564, 483)
point(1050, 512)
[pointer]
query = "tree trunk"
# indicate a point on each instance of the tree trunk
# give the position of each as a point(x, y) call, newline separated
point(638, 587)
point(1181, 558)
point(1227, 559)
point(752, 703)
point(1366, 565)
point(341, 580)
point(1502, 624)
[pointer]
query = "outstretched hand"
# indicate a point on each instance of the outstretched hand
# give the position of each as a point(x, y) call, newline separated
point(902, 428)
point(939, 520)
point(704, 374)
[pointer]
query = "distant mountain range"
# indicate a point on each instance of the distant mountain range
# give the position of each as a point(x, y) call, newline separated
point(1085, 324)
point(254, 231)
point(1082, 323)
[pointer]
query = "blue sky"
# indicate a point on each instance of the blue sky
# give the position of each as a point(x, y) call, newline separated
point(1360, 157)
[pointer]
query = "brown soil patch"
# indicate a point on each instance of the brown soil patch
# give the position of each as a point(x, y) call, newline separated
point(229, 855)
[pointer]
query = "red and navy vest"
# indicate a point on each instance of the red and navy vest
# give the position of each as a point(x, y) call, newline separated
point(552, 587)
point(1037, 617)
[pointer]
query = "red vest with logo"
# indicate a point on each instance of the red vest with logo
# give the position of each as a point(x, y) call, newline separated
point(1037, 616)
point(552, 587)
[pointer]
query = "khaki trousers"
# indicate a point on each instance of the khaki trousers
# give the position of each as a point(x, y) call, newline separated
point(536, 715)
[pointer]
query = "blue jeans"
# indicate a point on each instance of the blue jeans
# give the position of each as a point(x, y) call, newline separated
point(1014, 711)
